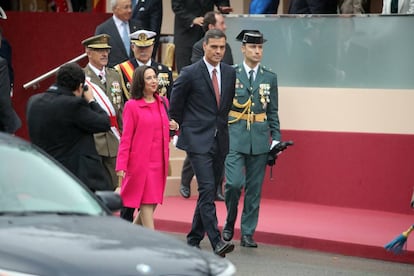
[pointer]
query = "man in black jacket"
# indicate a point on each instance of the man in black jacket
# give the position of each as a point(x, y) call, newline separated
point(62, 122)
point(212, 20)
point(188, 22)
point(9, 121)
point(200, 102)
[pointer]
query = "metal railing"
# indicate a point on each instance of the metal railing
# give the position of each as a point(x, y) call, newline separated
point(35, 81)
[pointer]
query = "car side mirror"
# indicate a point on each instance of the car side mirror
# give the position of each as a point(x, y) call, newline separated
point(111, 200)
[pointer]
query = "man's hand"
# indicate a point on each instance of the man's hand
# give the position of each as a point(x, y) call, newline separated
point(198, 21)
point(276, 150)
point(88, 95)
point(225, 9)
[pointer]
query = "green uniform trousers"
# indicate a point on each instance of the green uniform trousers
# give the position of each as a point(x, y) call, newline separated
point(244, 171)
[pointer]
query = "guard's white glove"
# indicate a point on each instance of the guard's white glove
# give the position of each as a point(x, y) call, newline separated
point(274, 143)
point(174, 140)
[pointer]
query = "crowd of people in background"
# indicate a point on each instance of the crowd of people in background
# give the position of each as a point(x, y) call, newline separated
point(150, 12)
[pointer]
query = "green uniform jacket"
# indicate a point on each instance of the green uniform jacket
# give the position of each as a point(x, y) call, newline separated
point(256, 140)
point(105, 142)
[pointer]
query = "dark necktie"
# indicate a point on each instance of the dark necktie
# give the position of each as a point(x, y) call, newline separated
point(251, 77)
point(216, 86)
point(394, 6)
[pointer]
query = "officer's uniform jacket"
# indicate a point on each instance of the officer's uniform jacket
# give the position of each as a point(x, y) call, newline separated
point(256, 121)
point(106, 142)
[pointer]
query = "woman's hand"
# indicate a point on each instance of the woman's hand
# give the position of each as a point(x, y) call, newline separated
point(120, 174)
point(174, 125)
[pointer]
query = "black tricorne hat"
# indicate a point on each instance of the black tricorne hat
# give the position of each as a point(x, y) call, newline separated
point(251, 36)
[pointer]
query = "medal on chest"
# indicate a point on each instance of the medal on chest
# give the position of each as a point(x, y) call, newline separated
point(116, 94)
point(264, 92)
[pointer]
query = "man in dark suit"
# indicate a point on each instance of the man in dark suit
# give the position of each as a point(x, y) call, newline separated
point(9, 121)
point(212, 20)
point(313, 6)
point(142, 46)
point(6, 53)
point(118, 27)
point(62, 122)
point(148, 13)
point(200, 102)
point(188, 23)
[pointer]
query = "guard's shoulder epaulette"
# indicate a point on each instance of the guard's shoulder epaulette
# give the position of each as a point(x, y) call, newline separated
point(268, 69)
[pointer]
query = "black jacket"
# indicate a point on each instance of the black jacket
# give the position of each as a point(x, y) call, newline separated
point(9, 121)
point(63, 125)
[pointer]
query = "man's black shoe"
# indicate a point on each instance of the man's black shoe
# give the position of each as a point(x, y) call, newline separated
point(223, 248)
point(194, 245)
point(185, 191)
point(247, 241)
point(228, 232)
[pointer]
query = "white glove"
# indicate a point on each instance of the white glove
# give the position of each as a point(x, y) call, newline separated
point(175, 139)
point(274, 143)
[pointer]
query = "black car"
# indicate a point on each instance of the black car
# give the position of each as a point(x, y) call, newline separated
point(51, 224)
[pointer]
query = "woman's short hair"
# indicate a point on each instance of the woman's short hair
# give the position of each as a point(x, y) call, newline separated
point(138, 81)
point(70, 76)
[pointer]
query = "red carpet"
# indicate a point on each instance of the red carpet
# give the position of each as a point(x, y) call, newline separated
point(347, 231)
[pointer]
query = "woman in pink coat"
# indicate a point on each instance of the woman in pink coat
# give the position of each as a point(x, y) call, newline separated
point(143, 153)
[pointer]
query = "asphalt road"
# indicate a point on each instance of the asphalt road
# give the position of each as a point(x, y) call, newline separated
point(277, 260)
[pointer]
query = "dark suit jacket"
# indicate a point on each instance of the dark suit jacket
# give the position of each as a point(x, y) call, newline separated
point(194, 107)
point(198, 53)
point(9, 121)
point(118, 53)
point(148, 13)
point(6, 52)
point(313, 7)
point(185, 11)
point(63, 126)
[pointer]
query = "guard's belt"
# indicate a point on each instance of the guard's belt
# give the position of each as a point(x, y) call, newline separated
point(261, 117)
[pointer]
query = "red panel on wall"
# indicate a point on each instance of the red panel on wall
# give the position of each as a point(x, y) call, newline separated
point(41, 42)
point(357, 170)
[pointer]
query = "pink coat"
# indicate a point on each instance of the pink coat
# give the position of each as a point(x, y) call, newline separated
point(134, 148)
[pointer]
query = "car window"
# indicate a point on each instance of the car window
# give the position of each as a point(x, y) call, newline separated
point(31, 182)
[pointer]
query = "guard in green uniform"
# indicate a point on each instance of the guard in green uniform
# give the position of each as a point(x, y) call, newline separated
point(254, 130)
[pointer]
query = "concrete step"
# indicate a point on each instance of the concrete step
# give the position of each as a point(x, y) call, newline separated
point(173, 186)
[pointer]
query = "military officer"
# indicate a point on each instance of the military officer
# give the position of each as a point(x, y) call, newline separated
point(253, 130)
point(106, 86)
point(142, 43)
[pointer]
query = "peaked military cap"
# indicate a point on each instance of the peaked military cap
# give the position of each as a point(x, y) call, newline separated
point(143, 38)
point(251, 36)
point(97, 42)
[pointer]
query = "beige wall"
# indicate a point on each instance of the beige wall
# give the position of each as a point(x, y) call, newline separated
point(347, 110)
point(239, 7)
